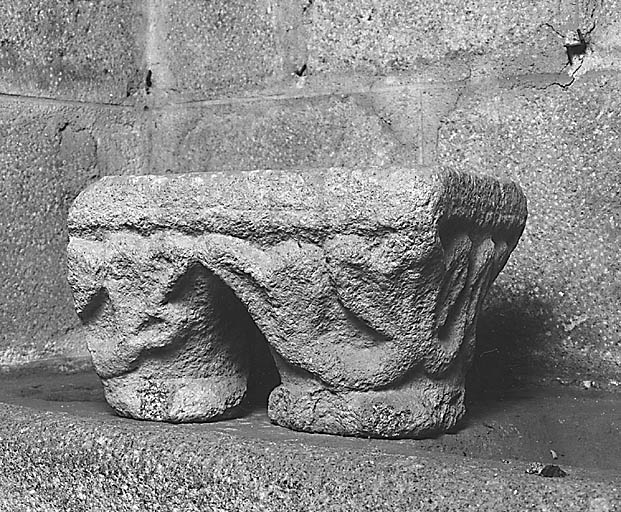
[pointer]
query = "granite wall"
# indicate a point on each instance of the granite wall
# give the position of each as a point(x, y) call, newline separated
point(524, 88)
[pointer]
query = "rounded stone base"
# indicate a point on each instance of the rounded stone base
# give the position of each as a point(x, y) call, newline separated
point(418, 408)
point(176, 400)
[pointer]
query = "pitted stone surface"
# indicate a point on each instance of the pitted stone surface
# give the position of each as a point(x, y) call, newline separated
point(365, 283)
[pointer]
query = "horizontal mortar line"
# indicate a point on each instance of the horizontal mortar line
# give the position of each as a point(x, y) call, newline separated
point(369, 89)
point(419, 86)
point(45, 100)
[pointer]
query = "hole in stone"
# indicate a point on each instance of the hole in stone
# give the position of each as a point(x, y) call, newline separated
point(148, 82)
point(95, 307)
point(308, 5)
point(302, 70)
point(576, 46)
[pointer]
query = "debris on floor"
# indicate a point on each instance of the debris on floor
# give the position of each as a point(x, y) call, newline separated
point(548, 470)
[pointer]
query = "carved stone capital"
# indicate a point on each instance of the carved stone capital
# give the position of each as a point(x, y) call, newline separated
point(366, 284)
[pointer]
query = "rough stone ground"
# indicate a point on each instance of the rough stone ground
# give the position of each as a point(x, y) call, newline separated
point(61, 448)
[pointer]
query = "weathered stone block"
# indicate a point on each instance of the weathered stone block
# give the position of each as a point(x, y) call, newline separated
point(76, 50)
point(396, 36)
point(215, 48)
point(556, 311)
point(366, 284)
point(48, 153)
point(312, 132)
point(603, 36)
point(220, 49)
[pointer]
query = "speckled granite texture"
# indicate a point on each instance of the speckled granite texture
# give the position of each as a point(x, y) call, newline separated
point(250, 85)
point(558, 302)
point(48, 153)
point(73, 50)
point(366, 284)
point(51, 461)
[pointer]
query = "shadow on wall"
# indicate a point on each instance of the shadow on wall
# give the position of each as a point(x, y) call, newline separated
point(508, 334)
